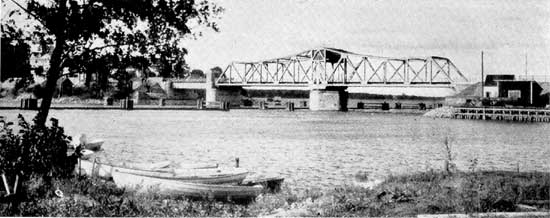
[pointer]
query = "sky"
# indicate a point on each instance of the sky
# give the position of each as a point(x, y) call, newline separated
point(506, 30)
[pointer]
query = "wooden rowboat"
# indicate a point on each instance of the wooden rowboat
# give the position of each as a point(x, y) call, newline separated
point(104, 170)
point(179, 188)
point(205, 176)
point(145, 166)
point(94, 145)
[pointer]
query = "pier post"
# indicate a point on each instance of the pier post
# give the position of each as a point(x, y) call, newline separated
point(262, 105)
point(290, 106)
point(385, 106)
point(397, 105)
point(107, 101)
point(224, 105)
point(129, 104)
point(200, 104)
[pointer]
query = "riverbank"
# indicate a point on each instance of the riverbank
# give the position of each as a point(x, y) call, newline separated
point(71, 103)
point(431, 192)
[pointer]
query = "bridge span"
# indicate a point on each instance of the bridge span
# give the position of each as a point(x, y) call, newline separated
point(330, 73)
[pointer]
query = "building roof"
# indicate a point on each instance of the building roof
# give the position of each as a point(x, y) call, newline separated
point(490, 80)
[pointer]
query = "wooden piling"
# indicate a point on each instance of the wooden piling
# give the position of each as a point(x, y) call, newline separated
point(263, 105)
point(200, 104)
point(290, 106)
point(504, 114)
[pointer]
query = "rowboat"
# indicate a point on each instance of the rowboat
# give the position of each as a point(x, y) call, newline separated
point(91, 144)
point(202, 175)
point(145, 166)
point(94, 145)
point(179, 188)
point(104, 170)
point(205, 176)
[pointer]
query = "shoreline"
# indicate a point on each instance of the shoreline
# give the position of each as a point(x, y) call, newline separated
point(194, 108)
point(432, 193)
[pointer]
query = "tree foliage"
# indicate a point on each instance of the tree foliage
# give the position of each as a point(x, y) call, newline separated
point(90, 29)
point(15, 53)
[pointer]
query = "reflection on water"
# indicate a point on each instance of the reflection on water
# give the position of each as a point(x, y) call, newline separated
point(309, 148)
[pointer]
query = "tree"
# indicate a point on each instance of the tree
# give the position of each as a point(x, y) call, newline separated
point(121, 27)
point(15, 54)
point(197, 73)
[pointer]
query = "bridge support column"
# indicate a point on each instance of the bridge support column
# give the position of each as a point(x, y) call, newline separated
point(169, 88)
point(225, 94)
point(328, 99)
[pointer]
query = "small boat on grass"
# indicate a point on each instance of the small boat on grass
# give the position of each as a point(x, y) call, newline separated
point(179, 188)
point(202, 175)
point(163, 165)
point(195, 166)
point(104, 170)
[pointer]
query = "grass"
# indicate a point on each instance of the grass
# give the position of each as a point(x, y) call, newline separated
point(431, 192)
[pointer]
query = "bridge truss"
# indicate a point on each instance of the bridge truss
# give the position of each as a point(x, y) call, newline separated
point(336, 67)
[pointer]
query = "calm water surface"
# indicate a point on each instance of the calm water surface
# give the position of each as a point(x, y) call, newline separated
point(310, 148)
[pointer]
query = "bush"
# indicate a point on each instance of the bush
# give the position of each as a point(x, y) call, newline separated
point(36, 154)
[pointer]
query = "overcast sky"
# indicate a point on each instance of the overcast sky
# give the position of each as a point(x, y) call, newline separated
point(505, 29)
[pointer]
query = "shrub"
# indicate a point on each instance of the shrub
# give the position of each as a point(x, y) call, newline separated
point(35, 154)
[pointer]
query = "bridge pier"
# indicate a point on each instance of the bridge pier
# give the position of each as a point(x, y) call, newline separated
point(224, 94)
point(231, 94)
point(328, 99)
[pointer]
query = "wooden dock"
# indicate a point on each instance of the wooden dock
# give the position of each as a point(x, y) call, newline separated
point(507, 114)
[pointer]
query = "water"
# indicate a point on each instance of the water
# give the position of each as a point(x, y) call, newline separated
point(318, 149)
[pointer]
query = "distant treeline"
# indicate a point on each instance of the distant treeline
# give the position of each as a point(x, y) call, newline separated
point(305, 94)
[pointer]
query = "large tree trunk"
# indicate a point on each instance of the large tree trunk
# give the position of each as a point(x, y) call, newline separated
point(51, 80)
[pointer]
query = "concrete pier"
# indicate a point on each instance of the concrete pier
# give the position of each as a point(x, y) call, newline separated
point(328, 99)
point(232, 95)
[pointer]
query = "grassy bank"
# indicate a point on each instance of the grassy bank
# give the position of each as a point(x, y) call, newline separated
point(430, 192)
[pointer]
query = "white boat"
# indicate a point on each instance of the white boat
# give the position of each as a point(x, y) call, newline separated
point(145, 166)
point(203, 175)
point(91, 144)
point(94, 145)
point(179, 188)
point(104, 170)
point(195, 166)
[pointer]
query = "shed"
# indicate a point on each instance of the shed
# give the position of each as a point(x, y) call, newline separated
point(490, 89)
point(521, 93)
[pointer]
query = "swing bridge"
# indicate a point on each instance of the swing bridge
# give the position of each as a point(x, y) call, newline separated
point(330, 74)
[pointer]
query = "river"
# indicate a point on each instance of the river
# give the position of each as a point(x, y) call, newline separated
point(310, 149)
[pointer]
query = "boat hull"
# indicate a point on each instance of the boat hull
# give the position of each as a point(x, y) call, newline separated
point(94, 145)
point(179, 188)
point(205, 176)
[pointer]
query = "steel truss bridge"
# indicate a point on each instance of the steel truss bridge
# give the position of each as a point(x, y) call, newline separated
point(337, 67)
